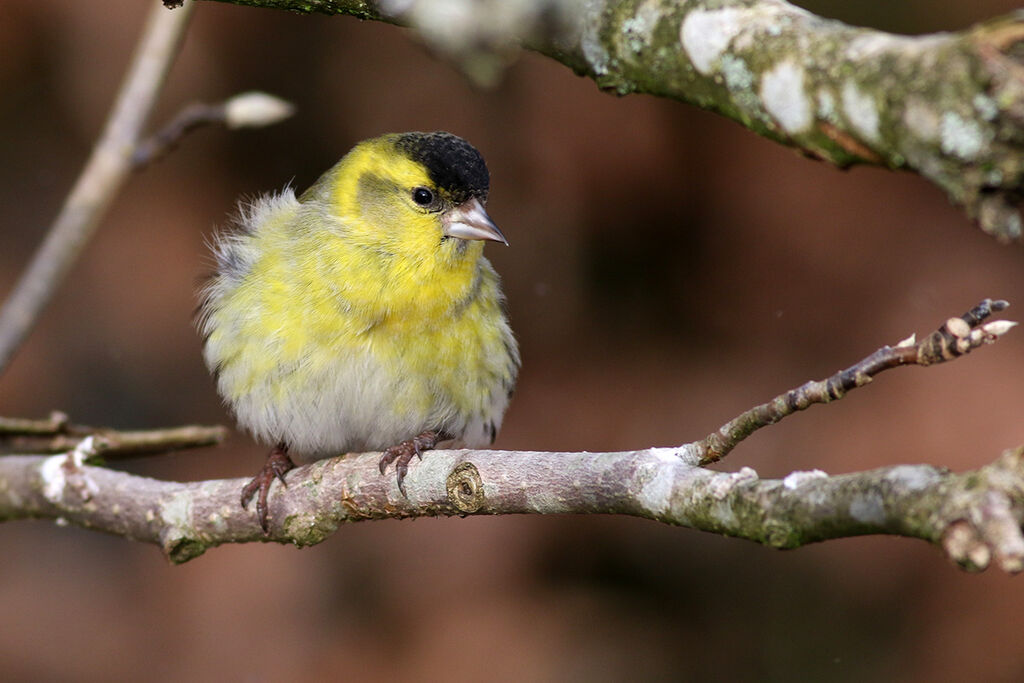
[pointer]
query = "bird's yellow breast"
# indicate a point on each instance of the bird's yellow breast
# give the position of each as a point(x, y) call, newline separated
point(320, 330)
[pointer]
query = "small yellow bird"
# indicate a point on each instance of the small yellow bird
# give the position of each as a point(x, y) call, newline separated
point(363, 315)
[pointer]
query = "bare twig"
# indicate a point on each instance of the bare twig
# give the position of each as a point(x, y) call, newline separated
point(57, 435)
point(99, 181)
point(246, 110)
point(11, 427)
point(956, 337)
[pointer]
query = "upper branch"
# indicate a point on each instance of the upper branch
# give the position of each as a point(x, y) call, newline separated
point(948, 106)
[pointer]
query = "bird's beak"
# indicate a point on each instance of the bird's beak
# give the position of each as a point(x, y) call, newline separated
point(469, 221)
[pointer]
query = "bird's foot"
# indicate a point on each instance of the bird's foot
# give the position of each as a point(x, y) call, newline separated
point(277, 464)
point(402, 453)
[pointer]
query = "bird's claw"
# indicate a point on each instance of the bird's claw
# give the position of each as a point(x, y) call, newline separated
point(403, 452)
point(277, 465)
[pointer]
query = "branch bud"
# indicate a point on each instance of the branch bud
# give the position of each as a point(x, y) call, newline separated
point(255, 110)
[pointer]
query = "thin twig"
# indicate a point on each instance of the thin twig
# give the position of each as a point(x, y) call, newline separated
point(191, 117)
point(100, 180)
point(10, 427)
point(956, 337)
point(245, 110)
point(53, 436)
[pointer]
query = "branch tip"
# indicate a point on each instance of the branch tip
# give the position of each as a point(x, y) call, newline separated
point(255, 110)
point(957, 336)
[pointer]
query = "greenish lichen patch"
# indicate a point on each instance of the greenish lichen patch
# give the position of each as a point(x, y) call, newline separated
point(182, 549)
point(738, 77)
point(305, 529)
point(638, 30)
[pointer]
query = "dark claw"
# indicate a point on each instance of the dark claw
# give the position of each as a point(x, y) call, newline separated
point(280, 467)
point(249, 490)
point(401, 469)
point(278, 463)
point(402, 453)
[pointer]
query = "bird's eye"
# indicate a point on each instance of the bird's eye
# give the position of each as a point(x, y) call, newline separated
point(422, 196)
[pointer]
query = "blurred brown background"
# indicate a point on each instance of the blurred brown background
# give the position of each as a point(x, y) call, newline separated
point(667, 270)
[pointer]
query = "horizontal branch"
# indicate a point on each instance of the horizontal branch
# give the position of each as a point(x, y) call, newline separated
point(948, 106)
point(974, 516)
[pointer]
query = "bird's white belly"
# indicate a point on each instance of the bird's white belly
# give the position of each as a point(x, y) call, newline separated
point(351, 404)
point(357, 403)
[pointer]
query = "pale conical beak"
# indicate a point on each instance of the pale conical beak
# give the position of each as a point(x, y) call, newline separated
point(469, 221)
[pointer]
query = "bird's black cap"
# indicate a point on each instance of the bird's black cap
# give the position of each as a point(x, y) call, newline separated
point(453, 164)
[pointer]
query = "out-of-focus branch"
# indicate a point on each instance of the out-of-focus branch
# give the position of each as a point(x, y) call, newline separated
point(100, 180)
point(57, 434)
point(948, 106)
point(245, 110)
point(119, 151)
point(956, 337)
point(974, 516)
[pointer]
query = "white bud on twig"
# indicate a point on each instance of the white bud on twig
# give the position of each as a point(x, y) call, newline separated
point(998, 328)
point(256, 109)
point(909, 341)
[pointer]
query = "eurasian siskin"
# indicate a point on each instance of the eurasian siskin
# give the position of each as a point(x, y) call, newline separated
point(362, 315)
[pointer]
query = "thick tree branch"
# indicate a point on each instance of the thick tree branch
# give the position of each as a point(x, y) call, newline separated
point(948, 106)
point(973, 516)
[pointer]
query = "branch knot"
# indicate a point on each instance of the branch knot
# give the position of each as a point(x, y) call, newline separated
point(465, 488)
